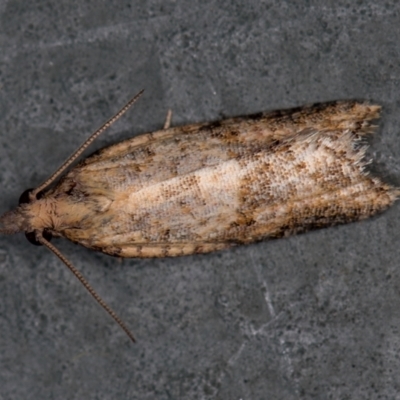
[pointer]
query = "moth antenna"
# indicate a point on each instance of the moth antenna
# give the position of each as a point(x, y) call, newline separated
point(84, 146)
point(85, 283)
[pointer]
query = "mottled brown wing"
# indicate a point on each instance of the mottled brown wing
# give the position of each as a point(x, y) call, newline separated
point(166, 154)
point(206, 187)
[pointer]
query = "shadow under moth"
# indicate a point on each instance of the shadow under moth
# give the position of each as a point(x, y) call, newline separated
point(205, 187)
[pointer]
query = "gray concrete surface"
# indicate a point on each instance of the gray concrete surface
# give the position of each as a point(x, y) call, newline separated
point(315, 316)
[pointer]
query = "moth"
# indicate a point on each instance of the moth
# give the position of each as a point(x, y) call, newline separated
point(206, 187)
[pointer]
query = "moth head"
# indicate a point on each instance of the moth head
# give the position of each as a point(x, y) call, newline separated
point(18, 220)
point(25, 198)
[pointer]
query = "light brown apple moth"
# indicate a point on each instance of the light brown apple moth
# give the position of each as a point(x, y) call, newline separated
point(205, 187)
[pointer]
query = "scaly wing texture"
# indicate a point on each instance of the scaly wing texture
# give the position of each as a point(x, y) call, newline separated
point(206, 187)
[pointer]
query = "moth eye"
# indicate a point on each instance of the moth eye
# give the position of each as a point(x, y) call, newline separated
point(32, 237)
point(24, 198)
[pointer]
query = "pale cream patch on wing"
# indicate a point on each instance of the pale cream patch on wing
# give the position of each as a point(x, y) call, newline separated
point(199, 206)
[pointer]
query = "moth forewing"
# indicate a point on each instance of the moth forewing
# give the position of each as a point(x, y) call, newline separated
point(206, 187)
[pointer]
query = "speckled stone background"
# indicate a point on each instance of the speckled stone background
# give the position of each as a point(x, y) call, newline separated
point(315, 316)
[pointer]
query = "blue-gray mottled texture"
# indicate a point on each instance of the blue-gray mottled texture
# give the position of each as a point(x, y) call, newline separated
point(313, 317)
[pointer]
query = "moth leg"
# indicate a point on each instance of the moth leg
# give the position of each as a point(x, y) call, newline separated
point(168, 118)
